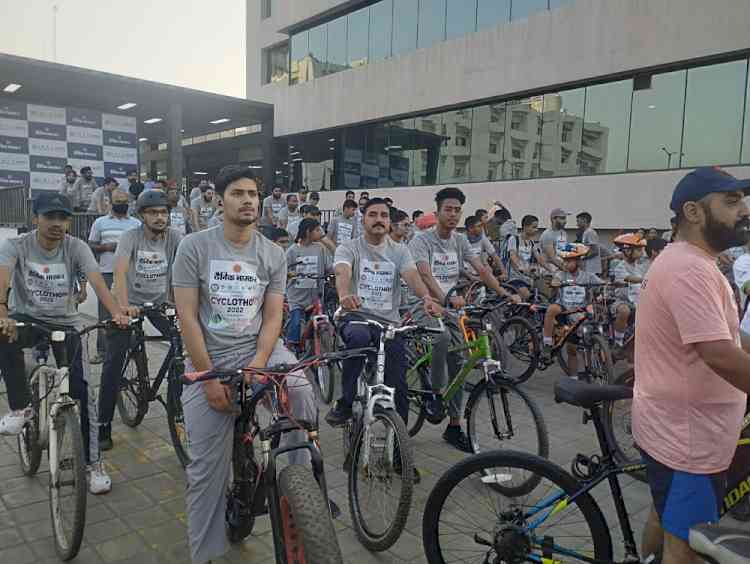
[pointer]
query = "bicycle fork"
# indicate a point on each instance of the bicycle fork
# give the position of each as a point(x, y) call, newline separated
point(492, 389)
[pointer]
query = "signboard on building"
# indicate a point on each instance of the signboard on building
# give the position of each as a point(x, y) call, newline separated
point(36, 142)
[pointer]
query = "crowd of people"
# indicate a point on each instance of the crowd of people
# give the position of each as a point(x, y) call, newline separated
point(230, 281)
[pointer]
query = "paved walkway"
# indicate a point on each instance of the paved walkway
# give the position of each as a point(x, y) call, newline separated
point(143, 519)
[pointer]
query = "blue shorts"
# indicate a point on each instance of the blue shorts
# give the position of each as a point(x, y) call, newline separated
point(683, 500)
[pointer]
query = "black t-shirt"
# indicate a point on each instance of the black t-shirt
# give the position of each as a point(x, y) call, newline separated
point(136, 189)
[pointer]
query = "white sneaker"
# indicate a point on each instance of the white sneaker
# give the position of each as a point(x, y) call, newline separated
point(99, 480)
point(13, 422)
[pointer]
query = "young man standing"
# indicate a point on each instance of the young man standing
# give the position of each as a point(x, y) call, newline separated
point(142, 266)
point(105, 233)
point(342, 228)
point(289, 217)
point(81, 192)
point(41, 268)
point(179, 216)
point(66, 186)
point(101, 200)
point(203, 208)
point(592, 262)
point(272, 206)
point(229, 287)
point(554, 238)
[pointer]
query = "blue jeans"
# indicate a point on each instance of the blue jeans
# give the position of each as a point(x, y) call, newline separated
point(293, 329)
point(396, 365)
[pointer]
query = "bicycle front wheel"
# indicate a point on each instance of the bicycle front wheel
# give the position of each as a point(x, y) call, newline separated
point(516, 346)
point(67, 485)
point(327, 374)
point(29, 445)
point(468, 520)
point(132, 400)
point(601, 371)
point(381, 481)
point(306, 525)
point(176, 419)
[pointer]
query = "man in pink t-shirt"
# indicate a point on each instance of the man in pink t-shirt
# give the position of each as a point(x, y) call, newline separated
point(691, 362)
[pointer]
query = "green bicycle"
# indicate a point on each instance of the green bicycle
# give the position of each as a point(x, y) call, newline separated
point(498, 412)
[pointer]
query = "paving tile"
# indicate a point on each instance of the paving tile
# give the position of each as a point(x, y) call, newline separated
point(121, 548)
point(97, 533)
point(9, 538)
point(166, 534)
point(21, 554)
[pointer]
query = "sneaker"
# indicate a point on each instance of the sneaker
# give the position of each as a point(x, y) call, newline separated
point(105, 437)
point(547, 354)
point(455, 436)
point(13, 422)
point(96, 358)
point(99, 480)
point(338, 415)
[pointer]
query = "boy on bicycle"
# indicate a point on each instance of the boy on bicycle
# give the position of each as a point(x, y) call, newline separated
point(41, 267)
point(629, 274)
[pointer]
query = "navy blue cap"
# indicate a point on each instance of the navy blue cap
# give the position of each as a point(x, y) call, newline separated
point(704, 181)
point(48, 202)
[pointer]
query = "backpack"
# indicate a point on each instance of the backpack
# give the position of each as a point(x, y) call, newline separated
point(505, 253)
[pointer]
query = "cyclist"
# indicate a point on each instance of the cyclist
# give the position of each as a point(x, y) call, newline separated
point(368, 269)
point(290, 216)
point(440, 254)
point(588, 236)
point(481, 247)
point(203, 207)
point(272, 206)
point(691, 361)
point(628, 274)
point(343, 227)
point(142, 267)
point(229, 284)
point(306, 256)
point(554, 238)
point(41, 267)
point(569, 297)
point(524, 254)
point(399, 226)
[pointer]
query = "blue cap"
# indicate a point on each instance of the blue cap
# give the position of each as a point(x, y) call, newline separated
point(49, 201)
point(704, 181)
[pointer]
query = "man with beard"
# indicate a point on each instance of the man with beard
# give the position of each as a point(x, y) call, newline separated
point(592, 262)
point(66, 187)
point(554, 238)
point(142, 266)
point(692, 364)
point(203, 208)
point(290, 216)
point(134, 186)
point(229, 325)
point(82, 191)
point(272, 206)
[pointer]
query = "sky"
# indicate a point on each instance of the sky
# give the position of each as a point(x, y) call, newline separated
point(194, 43)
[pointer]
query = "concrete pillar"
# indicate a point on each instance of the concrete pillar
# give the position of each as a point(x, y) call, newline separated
point(268, 155)
point(174, 143)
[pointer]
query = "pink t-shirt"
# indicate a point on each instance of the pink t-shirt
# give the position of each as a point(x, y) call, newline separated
point(685, 415)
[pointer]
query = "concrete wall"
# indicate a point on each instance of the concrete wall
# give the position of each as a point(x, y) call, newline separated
point(585, 40)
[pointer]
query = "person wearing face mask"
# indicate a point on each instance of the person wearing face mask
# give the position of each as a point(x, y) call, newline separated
point(66, 186)
point(105, 233)
point(203, 208)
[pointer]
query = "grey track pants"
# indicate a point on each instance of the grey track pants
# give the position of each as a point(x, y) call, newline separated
point(210, 435)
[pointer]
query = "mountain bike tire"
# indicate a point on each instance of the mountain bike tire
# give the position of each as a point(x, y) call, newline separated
point(29, 446)
point(417, 380)
point(176, 419)
point(524, 347)
point(326, 375)
point(618, 428)
point(132, 398)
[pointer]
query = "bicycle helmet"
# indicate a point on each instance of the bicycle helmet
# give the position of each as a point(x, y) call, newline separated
point(573, 251)
point(628, 240)
point(151, 199)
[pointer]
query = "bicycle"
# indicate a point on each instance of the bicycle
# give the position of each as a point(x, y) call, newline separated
point(296, 498)
point(561, 521)
point(55, 426)
point(377, 444)
point(137, 390)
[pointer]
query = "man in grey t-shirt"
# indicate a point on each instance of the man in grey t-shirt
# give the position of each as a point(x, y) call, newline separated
point(555, 237)
point(272, 206)
point(342, 228)
point(368, 272)
point(229, 286)
point(290, 217)
point(203, 208)
point(592, 262)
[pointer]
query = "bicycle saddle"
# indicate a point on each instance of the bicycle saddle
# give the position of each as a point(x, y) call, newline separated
point(583, 394)
point(724, 545)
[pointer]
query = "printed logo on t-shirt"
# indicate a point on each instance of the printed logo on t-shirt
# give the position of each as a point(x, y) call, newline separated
point(445, 270)
point(573, 296)
point(177, 220)
point(47, 284)
point(344, 233)
point(375, 287)
point(235, 294)
point(151, 267)
point(309, 265)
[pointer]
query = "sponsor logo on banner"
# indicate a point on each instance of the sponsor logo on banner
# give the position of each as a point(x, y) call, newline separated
point(111, 122)
point(47, 131)
point(97, 167)
point(45, 181)
point(117, 170)
point(14, 127)
point(10, 161)
point(45, 148)
point(47, 164)
point(120, 139)
point(46, 114)
point(13, 145)
point(12, 109)
point(84, 118)
point(115, 155)
point(13, 178)
point(86, 152)
point(84, 135)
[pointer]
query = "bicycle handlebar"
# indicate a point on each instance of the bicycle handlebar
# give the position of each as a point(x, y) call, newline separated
point(386, 325)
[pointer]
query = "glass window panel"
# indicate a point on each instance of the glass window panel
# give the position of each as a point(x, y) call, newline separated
point(354, 152)
point(562, 126)
point(554, 4)
point(524, 8)
point(604, 142)
point(310, 162)
point(455, 157)
point(336, 59)
point(523, 145)
point(375, 160)
point(299, 52)
point(277, 64)
point(461, 17)
point(405, 17)
point(427, 140)
point(381, 30)
point(713, 114)
point(358, 33)
point(492, 12)
point(488, 143)
point(746, 139)
point(656, 123)
point(431, 22)
point(400, 155)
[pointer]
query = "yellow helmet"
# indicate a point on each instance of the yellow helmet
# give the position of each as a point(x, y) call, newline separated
point(573, 250)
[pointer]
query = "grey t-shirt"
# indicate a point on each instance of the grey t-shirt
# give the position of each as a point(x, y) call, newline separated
point(275, 205)
point(446, 257)
point(315, 260)
point(375, 274)
point(151, 263)
point(571, 297)
point(341, 230)
point(593, 263)
point(205, 211)
point(557, 238)
point(481, 248)
point(292, 220)
point(624, 269)
point(100, 200)
point(528, 252)
point(44, 283)
point(233, 282)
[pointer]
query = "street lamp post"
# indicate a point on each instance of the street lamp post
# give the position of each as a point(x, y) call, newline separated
point(669, 155)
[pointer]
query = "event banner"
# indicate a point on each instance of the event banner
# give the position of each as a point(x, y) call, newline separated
point(36, 142)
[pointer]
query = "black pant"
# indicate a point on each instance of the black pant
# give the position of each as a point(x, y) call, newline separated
point(396, 365)
point(119, 342)
point(13, 369)
point(101, 339)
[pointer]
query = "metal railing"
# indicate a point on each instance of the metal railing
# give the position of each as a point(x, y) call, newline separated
point(15, 207)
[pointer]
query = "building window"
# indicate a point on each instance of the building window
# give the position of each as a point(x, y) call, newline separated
point(381, 30)
point(746, 139)
point(405, 23)
point(606, 129)
point(525, 8)
point(491, 13)
point(493, 148)
point(461, 18)
point(461, 142)
point(431, 25)
point(358, 31)
point(277, 64)
point(265, 9)
point(336, 59)
point(300, 49)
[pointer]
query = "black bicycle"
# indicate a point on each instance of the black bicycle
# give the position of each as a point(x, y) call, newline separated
point(137, 390)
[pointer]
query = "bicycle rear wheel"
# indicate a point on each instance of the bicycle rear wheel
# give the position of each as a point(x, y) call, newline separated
point(132, 400)
point(417, 381)
point(467, 520)
point(306, 525)
point(380, 489)
point(176, 419)
point(29, 447)
point(326, 375)
point(618, 426)
point(516, 345)
point(601, 371)
point(67, 486)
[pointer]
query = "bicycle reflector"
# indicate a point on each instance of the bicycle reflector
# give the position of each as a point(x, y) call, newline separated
point(57, 336)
